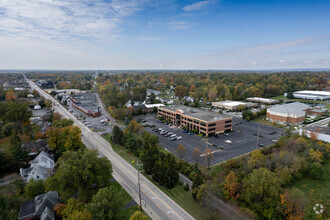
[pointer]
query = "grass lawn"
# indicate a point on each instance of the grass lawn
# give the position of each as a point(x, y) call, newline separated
point(127, 198)
point(281, 97)
point(315, 191)
point(262, 120)
point(181, 197)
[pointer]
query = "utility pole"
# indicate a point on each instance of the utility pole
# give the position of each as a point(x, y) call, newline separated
point(258, 137)
point(139, 189)
point(206, 153)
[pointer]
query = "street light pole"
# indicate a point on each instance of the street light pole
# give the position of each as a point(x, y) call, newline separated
point(139, 189)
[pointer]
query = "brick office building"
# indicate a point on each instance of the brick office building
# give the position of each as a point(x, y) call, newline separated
point(290, 114)
point(205, 122)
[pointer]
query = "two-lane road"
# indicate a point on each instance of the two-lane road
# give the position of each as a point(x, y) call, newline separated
point(155, 202)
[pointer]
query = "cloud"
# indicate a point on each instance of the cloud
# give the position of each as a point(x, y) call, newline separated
point(196, 6)
point(178, 25)
point(149, 38)
point(62, 19)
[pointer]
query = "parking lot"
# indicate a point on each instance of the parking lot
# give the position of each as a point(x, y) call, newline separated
point(243, 139)
point(94, 123)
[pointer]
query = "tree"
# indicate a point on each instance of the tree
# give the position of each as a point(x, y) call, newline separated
point(261, 192)
point(196, 154)
point(138, 216)
point(48, 103)
point(53, 93)
point(80, 215)
point(209, 157)
point(10, 95)
point(293, 207)
point(241, 108)
point(73, 205)
point(38, 135)
point(62, 123)
point(80, 174)
point(107, 204)
point(34, 188)
point(315, 170)
point(256, 159)
point(180, 91)
point(181, 151)
point(152, 98)
point(290, 95)
point(72, 137)
point(57, 117)
point(4, 207)
point(55, 140)
point(117, 135)
point(231, 187)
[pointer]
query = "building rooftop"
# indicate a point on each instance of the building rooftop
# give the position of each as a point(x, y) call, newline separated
point(258, 99)
point(320, 130)
point(296, 108)
point(310, 92)
point(200, 114)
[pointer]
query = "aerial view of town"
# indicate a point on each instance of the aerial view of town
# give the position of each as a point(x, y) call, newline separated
point(143, 109)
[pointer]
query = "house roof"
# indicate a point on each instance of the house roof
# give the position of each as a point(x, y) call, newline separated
point(36, 146)
point(49, 199)
point(47, 214)
point(27, 210)
point(43, 157)
point(296, 108)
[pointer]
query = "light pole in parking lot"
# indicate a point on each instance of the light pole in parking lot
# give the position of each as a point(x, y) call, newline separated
point(258, 137)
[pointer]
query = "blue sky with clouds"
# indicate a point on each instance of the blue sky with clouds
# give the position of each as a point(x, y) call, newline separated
point(164, 34)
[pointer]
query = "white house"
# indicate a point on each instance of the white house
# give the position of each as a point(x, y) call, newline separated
point(37, 107)
point(41, 168)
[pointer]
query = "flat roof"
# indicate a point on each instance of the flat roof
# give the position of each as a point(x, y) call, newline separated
point(321, 130)
point(197, 113)
point(310, 92)
point(291, 108)
point(262, 99)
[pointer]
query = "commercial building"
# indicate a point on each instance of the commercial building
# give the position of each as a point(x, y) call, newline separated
point(87, 103)
point(232, 105)
point(313, 95)
point(204, 122)
point(319, 133)
point(263, 100)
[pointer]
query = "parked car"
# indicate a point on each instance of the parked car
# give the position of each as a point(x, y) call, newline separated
point(190, 133)
point(167, 135)
point(162, 132)
point(173, 139)
point(179, 138)
point(261, 145)
point(173, 135)
point(228, 141)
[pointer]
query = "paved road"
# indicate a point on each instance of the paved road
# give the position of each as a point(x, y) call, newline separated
point(155, 203)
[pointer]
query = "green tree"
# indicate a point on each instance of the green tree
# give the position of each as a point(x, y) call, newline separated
point(117, 135)
point(72, 137)
point(196, 155)
point(4, 207)
point(34, 188)
point(80, 174)
point(315, 170)
point(149, 158)
point(72, 205)
point(80, 215)
point(181, 151)
point(48, 103)
point(152, 98)
point(62, 123)
point(138, 216)
point(180, 91)
point(107, 204)
point(261, 192)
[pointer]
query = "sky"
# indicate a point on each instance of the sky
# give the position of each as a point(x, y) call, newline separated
point(164, 34)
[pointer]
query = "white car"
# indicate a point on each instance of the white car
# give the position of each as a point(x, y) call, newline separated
point(173, 135)
point(179, 138)
point(228, 141)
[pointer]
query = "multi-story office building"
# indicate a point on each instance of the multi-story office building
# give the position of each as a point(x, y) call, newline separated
point(205, 122)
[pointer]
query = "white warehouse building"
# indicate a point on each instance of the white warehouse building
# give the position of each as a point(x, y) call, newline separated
point(313, 95)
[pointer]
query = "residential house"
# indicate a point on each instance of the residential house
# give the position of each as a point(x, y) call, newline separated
point(41, 168)
point(42, 207)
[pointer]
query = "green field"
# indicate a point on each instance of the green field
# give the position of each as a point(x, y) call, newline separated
point(181, 197)
point(313, 192)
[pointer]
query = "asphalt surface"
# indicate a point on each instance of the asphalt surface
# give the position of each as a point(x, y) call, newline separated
point(243, 140)
point(155, 202)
